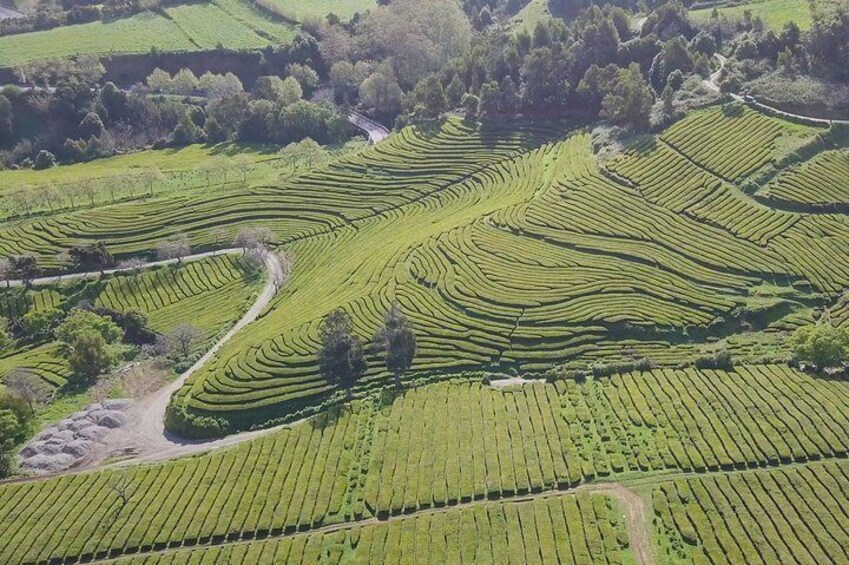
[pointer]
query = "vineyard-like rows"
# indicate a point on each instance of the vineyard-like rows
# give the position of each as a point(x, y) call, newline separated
point(440, 445)
point(183, 294)
point(822, 181)
point(557, 529)
point(793, 515)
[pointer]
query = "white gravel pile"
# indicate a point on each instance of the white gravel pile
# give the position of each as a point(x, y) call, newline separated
point(61, 446)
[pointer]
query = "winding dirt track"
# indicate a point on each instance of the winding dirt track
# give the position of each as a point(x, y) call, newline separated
point(635, 517)
point(145, 438)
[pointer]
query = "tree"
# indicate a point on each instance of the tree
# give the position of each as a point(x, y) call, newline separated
point(91, 126)
point(5, 338)
point(428, 98)
point(44, 160)
point(381, 94)
point(91, 257)
point(821, 345)
point(88, 356)
point(184, 82)
point(345, 80)
point(186, 131)
point(490, 99)
point(340, 358)
point(398, 341)
point(305, 75)
point(7, 122)
point(253, 237)
point(180, 341)
point(177, 247)
point(290, 92)
point(25, 268)
point(631, 100)
point(38, 324)
point(6, 271)
point(159, 81)
point(471, 105)
point(87, 342)
point(27, 386)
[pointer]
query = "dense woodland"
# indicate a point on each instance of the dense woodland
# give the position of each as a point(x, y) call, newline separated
point(408, 62)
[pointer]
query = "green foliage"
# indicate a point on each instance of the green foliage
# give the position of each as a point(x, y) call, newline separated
point(821, 345)
point(39, 324)
point(87, 341)
point(397, 340)
point(341, 359)
point(630, 101)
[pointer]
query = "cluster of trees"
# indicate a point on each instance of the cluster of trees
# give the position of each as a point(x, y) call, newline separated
point(18, 400)
point(819, 51)
point(414, 61)
point(342, 356)
point(275, 111)
point(70, 117)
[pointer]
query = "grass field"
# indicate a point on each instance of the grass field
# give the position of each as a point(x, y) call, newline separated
point(299, 9)
point(774, 13)
point(231, 24)
point(391, 462)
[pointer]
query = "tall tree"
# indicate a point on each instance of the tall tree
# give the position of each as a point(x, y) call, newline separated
point(341, 358)
point(398, 341)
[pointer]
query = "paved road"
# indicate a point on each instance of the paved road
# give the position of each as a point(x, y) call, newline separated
point(712, 82)
point(376, 132)
point(95, 274)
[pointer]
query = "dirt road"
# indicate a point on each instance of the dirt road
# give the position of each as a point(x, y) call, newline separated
point(145, 438)
point(376, 132)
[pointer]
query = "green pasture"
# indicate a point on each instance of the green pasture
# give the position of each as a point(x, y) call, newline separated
point(774, 13)
point(228, 24)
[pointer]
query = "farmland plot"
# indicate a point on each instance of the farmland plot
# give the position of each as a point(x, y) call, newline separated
point(442, 445)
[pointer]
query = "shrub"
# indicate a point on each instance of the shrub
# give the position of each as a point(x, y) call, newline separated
point(821, 345)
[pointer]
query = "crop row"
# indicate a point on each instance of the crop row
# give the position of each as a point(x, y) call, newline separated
point(731, 141)
point(797, 515)
point(440, 445)
point(822, 181)
point(557, 529)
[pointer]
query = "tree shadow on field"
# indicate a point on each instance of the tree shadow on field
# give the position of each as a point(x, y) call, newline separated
point(732, 110)
point(329, 417)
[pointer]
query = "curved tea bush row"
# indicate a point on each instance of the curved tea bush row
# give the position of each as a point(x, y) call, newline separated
point(183, 294)
point(730, 141)
point(822, 181)
point(562, 529)
point(795, 515)
point(439, 445)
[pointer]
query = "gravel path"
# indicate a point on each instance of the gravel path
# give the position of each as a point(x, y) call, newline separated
point(712, 82)
point(144, 437)
point(95, 274)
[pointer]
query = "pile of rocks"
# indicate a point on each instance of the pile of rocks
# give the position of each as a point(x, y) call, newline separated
point(61, 446)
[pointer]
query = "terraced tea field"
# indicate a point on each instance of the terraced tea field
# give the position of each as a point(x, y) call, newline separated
point(168, 296)
point(822, 182)
point(454, 457)
point(780, 516)
point(230, 24)
point(508, 247)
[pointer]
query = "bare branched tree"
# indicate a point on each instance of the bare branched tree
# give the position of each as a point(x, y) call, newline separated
point(28, 387)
